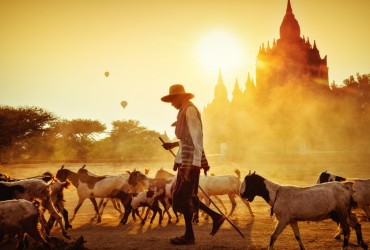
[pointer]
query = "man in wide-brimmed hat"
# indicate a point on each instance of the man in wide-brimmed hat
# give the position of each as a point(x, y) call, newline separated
point(189, 161)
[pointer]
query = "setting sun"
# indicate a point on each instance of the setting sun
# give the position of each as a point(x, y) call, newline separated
point(219, 49)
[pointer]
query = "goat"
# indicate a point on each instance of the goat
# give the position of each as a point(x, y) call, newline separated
point(221, 185)
point(314, 203)
point(215, 186)
point(165, 189)
point(147, 199)
point(103, 201)
point(166, 181)
point(139, 187)
point(36, 189)
point(20, 217)
point(360, 196)
point(132, 201)
point(361, 188)
point(125, 199)
point(89, 186)
point(57, 196)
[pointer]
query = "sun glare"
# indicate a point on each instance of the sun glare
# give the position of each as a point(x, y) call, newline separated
point(219, 50)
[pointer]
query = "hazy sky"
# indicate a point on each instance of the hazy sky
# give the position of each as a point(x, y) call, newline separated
point(53, 54)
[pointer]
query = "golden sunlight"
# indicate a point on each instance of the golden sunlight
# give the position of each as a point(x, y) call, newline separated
point(219, 49)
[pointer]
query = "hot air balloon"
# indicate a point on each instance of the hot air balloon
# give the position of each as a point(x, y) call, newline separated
point(123, 104)
point(106, 73)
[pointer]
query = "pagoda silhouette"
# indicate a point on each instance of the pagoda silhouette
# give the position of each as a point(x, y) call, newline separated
point(289, 58)
point(279, 111)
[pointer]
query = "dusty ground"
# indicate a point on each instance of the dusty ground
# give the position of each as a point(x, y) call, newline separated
point(110, 235)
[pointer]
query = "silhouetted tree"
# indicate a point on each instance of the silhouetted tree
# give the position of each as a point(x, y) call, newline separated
point(129, 140)
point(76, 137)
point(18, 126)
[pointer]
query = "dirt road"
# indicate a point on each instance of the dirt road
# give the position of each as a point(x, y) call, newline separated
point(110, 235)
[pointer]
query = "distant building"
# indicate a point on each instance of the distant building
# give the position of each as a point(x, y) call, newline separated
point(291, 63)
point(290, 58)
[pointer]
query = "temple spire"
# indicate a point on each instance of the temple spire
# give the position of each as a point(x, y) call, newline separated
point(237, 91)
point(220, 89)
point(219, 80)
point(249, 85)
point(289, 28)
point(289, 8)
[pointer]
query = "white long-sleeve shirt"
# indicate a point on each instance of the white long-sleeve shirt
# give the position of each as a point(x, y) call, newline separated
point(196, 133)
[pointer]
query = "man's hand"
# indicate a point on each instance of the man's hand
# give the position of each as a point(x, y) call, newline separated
point(170, 145)
point(206, 169)
point(176, 166)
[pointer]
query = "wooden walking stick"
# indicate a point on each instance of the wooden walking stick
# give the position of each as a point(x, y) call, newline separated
point(201, 189)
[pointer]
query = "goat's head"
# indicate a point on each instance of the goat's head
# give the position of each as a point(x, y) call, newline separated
point(62, 174)
point(136, 177)
point(252, 186)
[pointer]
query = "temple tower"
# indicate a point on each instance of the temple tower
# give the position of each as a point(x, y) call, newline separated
point(291, 60)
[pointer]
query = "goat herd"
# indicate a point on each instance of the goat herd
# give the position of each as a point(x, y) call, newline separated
point(24, 201)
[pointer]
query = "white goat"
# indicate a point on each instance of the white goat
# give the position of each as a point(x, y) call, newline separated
point(20, 217)
point(91, 187)
point(292, 204)
point(222, 185)
point(139, 187)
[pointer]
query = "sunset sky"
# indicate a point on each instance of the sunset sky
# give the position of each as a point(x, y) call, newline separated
point(53, 54)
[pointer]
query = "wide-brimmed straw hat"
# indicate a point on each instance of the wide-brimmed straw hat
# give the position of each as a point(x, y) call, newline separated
point(175, 91)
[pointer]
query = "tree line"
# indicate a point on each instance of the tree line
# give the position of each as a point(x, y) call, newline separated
point(35, 135)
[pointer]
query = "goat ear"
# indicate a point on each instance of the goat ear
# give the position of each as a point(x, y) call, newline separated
point(249, 172)
point(128, 171)
point(254, 172)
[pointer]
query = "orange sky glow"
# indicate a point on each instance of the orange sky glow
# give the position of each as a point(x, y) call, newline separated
point(54, 54)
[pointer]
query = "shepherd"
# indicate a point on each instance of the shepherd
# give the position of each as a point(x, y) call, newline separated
point(190, 159)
